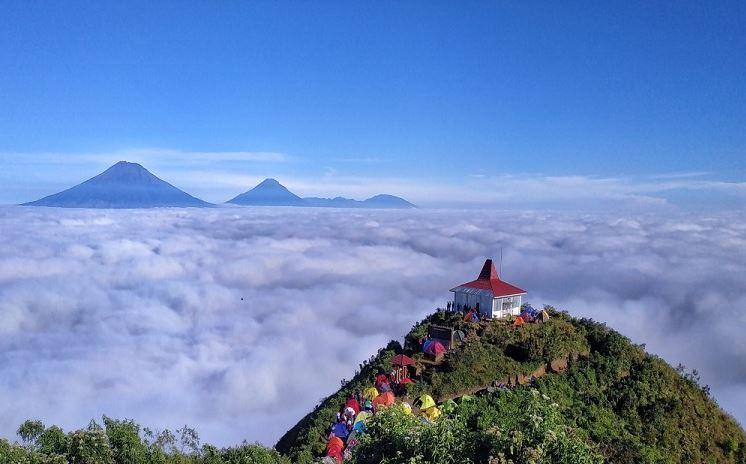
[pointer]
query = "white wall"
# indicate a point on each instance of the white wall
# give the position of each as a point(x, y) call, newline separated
point(492, 307)
point(515, 306)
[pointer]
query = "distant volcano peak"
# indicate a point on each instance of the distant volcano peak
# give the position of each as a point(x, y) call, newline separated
point(268, 192)
point(123, 185)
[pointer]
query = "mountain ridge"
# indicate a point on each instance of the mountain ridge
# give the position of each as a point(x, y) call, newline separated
point(612, 401)
point(270, 192)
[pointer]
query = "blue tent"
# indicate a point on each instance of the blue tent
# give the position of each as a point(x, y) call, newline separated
point(340, 430)
point(529, 314)
point(359, 427)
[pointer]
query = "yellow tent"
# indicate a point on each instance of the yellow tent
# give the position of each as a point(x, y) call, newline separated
point(431, 413)
point(361, 416)
point(426, 401)
point(370, 393)
point(406, 408)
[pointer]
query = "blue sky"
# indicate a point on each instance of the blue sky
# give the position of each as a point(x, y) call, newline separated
point(437, 101)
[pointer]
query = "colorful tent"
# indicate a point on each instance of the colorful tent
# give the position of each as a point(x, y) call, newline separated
point(352, 441)
point(340, 430)
point(358, 427)
point(518, 321)
point(425, 401)
point(529, 314)
point(431, 413)
point(406, 408)
point(459, 336)
point(362, 417)
point(370, 393)
point(402, 360)
point(334, 448)
point(384, 399)
point(471, 316)
point(406, 381)
point(544, 316)
point(352, 403)
point(433, 347)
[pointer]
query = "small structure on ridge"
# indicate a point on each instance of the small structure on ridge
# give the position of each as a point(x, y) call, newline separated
point(489, 295)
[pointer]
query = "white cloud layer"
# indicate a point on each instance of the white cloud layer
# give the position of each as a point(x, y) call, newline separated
point(238, 320)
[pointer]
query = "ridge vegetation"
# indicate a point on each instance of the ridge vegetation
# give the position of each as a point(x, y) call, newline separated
point(612, 402)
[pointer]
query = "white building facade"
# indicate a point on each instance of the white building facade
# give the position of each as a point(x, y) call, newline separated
point(493, 297)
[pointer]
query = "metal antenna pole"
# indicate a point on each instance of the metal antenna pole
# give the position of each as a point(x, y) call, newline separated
point(501, 261)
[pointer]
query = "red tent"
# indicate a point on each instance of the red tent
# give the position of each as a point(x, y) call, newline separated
point(402, 360)
point(406, 381)
point(352, 403)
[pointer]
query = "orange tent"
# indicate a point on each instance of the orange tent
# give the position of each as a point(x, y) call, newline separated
point(334, 449)
point(384, 399)
point(518, 321)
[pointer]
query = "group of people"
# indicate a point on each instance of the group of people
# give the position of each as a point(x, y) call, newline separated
point(471, 314)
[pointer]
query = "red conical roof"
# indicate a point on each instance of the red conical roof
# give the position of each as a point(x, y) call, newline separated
point(489, 280)
point(488, 271)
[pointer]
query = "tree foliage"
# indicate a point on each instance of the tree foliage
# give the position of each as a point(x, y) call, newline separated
point(124, 442)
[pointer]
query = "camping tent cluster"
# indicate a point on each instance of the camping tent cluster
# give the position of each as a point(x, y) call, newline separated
point(362, 405)
point(530, 314)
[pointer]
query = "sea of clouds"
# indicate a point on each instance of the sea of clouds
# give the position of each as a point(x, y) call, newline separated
point(237, 321)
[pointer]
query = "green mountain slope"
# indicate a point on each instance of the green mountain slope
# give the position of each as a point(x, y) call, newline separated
point(608, 401)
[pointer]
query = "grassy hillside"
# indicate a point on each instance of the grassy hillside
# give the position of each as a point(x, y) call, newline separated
point(612, 402)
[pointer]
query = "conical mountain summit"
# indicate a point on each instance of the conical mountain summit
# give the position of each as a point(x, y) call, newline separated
point(123, 185)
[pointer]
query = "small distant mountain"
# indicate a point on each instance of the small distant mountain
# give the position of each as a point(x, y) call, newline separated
point(268, 193)
point(124, 185)
point(271, 193)
point(387, 201)
point(378, 201)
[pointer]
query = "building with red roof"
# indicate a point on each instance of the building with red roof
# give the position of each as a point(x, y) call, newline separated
point(493, 297)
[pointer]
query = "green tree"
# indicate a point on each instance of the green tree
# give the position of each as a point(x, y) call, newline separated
point(89, 447)
point(53, 441)
point(29, 431)
point(125, 442)
point(12, 454)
